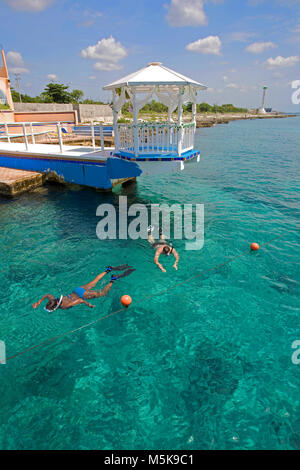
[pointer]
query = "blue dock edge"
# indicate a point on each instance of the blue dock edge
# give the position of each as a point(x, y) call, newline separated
point(83, 172)
point(158, 157)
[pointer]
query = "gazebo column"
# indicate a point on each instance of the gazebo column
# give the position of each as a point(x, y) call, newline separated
point(169, 113)
point(194, 118)
point(180, 131)
point(194, 111)
point(135, 121)
point(115, 116)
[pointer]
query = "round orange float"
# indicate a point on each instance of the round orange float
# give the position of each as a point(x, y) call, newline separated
point(126, 300)
point(254, 246)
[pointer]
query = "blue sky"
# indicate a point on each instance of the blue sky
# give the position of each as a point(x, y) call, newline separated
point(233, 46)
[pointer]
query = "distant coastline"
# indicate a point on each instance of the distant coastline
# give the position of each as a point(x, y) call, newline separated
point(210, 120)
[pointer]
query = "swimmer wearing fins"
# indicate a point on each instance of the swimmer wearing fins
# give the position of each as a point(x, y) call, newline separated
point(81, 294)
point(162, 248)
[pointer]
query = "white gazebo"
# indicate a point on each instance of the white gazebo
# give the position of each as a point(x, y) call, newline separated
point(155, 138)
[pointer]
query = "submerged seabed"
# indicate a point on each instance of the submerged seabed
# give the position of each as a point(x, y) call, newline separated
point(205, 366)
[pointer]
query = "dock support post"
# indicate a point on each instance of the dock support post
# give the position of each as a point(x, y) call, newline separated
point(32, 134)
point(194, 121)
point(102, 137)
point(7, 133)
point(93, 135)
point(180, 130)
point(135, 129)
point(115, 113)
point(25, 136)
point(59, 137)
point(194, 113)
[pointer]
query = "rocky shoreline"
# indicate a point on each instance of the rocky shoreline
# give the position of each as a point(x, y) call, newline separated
point(213, 119)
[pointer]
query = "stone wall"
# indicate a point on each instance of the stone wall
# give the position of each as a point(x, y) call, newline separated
point(85, 112)
point(42, 107)
point(94, 112)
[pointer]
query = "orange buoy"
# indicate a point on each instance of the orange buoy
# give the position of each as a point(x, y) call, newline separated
point(126, 300)
point(254, 246)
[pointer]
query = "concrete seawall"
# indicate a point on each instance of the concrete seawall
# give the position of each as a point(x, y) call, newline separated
point(96, 112)
point(14, 182)
point(81, 112)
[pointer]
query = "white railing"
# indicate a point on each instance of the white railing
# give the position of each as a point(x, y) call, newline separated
point(143, 138)
point(57, 129)
point(27, 130)
point(94, 130)
point(149, 138)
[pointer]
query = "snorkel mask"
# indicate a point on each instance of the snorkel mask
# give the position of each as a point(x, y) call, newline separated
point(57, 305)
point(167, 250)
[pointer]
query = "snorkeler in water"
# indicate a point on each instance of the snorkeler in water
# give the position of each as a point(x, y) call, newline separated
point(81, 294)
point(162, 248)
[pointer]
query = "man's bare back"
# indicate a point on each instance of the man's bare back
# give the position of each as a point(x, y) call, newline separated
point(162, 248)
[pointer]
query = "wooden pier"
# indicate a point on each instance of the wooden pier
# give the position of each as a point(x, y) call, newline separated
point(14, 182)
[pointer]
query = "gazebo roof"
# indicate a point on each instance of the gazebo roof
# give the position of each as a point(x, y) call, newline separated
point(154, 74)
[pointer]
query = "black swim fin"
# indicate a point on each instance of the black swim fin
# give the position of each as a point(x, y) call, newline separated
point(119, 268)
point(118, 276)
point(127, 273)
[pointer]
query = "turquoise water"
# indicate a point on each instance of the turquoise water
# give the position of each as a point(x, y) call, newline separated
point(206, 365)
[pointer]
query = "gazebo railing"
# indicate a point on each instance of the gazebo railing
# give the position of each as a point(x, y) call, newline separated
point(162, 138)
point(188, 136)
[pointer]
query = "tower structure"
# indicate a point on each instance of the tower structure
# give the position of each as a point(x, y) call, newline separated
point(262, 109)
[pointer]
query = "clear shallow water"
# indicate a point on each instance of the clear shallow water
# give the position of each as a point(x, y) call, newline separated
point(207, 365)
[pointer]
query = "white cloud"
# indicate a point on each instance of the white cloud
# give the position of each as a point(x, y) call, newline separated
point(15, 62)
point(247, 88)
point(107, 52)
point(232, 85)
point(14, 58)
point(52, 77)
point(18, 70)
point(91, 17)
point(92, 77)
point(186, 13)
point(107, 67)
point(29, 5)
point(259, 47)
point(241, 36)
point(209, 45)
point(280, 61)
point(225, 78)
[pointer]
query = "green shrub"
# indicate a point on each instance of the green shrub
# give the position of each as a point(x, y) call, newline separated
point(123, 121)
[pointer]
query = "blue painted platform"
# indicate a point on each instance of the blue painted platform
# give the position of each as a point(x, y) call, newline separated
point(76, 165)
point(90, 167)
point(166, 157)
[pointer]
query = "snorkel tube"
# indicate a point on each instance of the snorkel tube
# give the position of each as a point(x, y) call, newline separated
point(57, 306)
